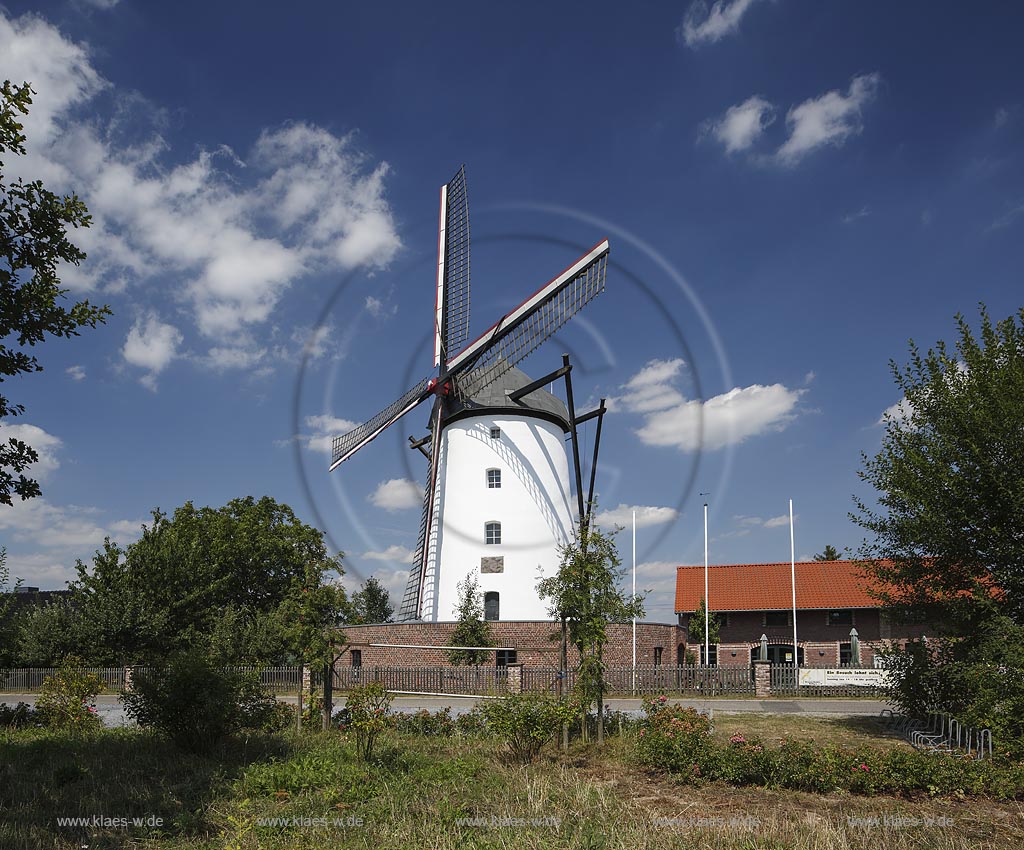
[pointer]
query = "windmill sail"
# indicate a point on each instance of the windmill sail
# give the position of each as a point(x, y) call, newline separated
point(516, 335)
point(343, 447)
point(411, 599)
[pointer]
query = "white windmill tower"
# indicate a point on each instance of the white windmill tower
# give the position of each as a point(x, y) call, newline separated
point(497, 497)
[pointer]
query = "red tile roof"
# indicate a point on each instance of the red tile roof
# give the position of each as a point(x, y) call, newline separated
point(766, 587)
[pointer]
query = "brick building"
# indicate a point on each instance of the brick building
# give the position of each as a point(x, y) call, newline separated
point(751, 600)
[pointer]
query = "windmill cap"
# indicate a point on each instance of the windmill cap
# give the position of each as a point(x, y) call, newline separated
point(494, 397)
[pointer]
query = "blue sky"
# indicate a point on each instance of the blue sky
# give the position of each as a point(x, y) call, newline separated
point(791, 190)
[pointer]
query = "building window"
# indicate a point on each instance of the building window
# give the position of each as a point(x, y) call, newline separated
point(495, 433)
point(357, 658)
point(712, 655)
point(504, 657)
point(491, 605)
point(657, 656)
point(493, 478)
point(840, 618)
point(492, 533)
point(777, 619)
point(845, 654)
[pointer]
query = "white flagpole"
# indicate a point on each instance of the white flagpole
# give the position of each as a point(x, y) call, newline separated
point(707, 606)
point(634, 596)
point(792, 568)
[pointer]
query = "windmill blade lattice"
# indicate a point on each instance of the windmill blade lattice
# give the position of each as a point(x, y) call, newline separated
point(410, 606)
point(346, 445)
point(506, 345)
point(456, 266)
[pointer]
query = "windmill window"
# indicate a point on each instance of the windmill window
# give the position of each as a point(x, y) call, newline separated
point(495, 433)
point(492, 533)
point(491, 605)
point(493, 478)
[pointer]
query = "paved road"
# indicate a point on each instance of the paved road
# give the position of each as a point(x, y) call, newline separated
point(112, 712)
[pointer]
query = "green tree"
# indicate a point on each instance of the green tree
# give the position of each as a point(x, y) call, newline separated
point(830, 553)
point(243, 583)
point(585, 594)
point(947, 540)
point(7, 626)
point(949, 529)
point(695, 628)
point(471, 629)
point(33, 244)
point(371, 603)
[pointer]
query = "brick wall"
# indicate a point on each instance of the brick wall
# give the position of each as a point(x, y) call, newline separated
point(536, 643)
point(741, 636)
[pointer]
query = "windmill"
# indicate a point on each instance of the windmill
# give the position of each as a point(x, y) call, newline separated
point(495, 446)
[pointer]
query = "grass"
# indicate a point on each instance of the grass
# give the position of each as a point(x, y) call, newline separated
point(418, 790)
point(862, 731)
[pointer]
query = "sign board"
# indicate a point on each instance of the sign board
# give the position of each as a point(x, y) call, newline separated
point(838, 677)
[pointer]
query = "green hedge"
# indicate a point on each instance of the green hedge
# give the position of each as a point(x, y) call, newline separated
point(678, 740)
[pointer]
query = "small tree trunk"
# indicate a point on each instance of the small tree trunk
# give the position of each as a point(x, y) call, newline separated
point(563, 664)
point(328, 694)
point(600, 699)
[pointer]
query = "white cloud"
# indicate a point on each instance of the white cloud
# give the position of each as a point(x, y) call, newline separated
point(396, 554)
point(690, 425)
point(325, 429)
point(777, 521)
point(151, 345)
point(63, 533)
point(233, 235)
point(645, 516)
point(651, 388)
point(900, 412)
point(76, 373)
point(742, 125)
point(398, 494)
point(1007, 218)
point(39, 522)
point(850, 218)
point(703, 24)
point(374, 306)
point(45, 444)
point(829, 119)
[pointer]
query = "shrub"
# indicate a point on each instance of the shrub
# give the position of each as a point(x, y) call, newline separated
point(424, 722)
point(67, 698)
point(673, 737)
point(197, 705)
point(525, 722)
point(367, 707)
point(808, 766)
point(19, 716)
